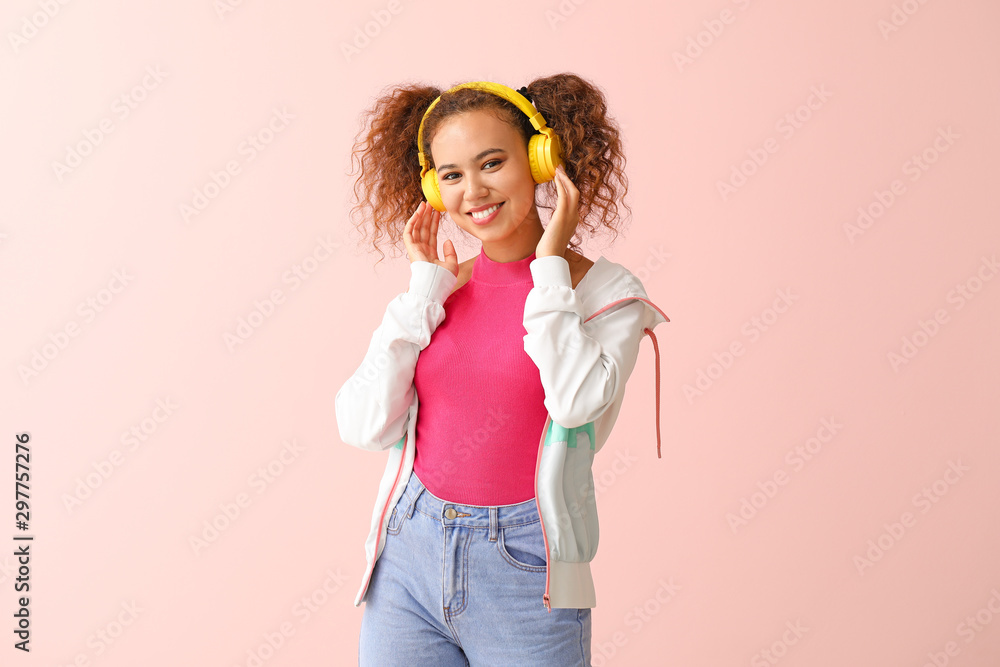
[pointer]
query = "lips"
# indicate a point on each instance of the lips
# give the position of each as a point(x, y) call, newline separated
point(481, 220)
point(480, 209)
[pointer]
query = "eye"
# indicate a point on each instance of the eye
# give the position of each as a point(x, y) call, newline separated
point(453, 173)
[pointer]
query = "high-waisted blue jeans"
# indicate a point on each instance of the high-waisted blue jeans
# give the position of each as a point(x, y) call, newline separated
point(460, 585)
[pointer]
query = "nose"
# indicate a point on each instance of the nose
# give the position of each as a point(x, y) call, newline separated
point(475, 190)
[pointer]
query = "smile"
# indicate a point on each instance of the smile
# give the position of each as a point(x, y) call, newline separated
point(481, 217)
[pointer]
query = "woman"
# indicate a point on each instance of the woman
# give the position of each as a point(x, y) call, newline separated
point(485, 521)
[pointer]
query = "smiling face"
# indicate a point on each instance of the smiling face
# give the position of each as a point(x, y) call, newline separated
point(482, 161)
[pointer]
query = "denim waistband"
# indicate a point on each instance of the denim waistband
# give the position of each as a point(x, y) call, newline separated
point(416, 495)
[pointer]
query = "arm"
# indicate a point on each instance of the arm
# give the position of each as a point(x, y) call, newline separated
point(373, 405)
point(582, 374)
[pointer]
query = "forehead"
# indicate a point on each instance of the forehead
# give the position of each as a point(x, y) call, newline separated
point(467, 133)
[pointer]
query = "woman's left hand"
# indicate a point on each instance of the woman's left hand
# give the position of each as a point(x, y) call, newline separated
point(562, 225)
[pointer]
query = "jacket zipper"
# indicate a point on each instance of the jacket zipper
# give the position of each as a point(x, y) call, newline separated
point(382, 517)
point(538, 461)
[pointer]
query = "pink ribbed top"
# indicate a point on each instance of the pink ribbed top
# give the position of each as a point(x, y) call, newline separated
point(481, 410)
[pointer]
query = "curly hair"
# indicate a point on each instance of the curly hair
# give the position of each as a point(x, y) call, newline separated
point(574, 108)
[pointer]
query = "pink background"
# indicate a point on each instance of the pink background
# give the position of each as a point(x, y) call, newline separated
point(926, 90)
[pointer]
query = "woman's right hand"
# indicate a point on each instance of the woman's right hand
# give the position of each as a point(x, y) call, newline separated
point(420, 237)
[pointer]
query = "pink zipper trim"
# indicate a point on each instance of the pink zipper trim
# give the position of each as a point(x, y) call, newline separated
point(381, 518)
point(538, 463)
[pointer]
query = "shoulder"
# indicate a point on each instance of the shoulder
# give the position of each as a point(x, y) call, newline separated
point(579, 265)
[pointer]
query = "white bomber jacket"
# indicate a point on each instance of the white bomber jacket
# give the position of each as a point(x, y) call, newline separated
point(585, 343)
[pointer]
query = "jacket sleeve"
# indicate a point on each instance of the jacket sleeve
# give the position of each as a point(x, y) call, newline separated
point(582, 373)
point(373, 405)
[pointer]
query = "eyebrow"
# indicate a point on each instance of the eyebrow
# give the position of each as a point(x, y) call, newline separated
point(479, 157)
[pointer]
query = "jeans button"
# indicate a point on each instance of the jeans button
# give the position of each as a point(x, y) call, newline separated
point(450, 513)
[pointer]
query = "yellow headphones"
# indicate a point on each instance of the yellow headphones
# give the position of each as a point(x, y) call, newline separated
point(544, 147)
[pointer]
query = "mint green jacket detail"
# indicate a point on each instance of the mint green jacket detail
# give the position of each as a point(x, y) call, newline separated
point(585, 343)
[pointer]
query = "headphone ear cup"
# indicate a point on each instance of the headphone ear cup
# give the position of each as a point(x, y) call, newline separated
point(544, 155)
point(429, 184)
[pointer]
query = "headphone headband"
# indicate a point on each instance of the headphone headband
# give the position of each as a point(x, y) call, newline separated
point(509, 94)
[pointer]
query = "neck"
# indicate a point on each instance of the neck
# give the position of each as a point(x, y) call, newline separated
point(518, 245)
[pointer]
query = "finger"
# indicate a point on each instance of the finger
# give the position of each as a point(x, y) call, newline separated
point(572, 193)
point(435, 217)
point(560, 192)
point(425, 227)
point(411, 223)
point(418, 223)
point(567, 181)
point(414, 231)
point(408, 230)
point(450, 257)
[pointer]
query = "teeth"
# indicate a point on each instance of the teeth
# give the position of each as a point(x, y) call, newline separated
point(479, 215)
